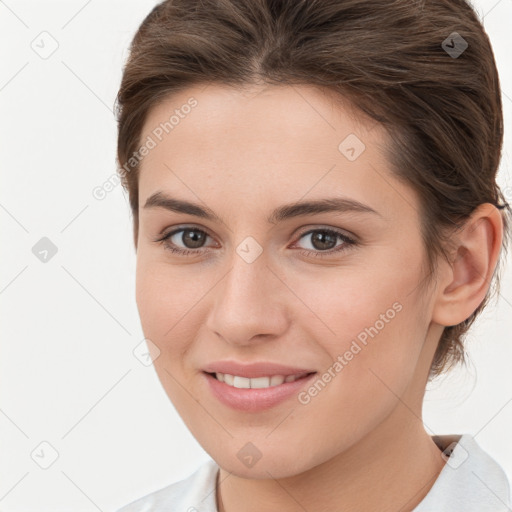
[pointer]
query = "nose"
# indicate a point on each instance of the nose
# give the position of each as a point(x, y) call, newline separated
point(249, 303)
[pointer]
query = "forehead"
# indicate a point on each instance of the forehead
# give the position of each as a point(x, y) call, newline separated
point(275, 114)
point(260, 142)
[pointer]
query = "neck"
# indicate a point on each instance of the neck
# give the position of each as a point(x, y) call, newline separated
point(383, 471)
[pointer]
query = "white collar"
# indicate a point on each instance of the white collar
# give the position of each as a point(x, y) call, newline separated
point(471, 479)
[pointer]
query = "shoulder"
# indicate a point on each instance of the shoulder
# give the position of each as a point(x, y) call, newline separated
point(195, 493)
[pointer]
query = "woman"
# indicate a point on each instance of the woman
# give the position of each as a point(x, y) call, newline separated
point(317, 225)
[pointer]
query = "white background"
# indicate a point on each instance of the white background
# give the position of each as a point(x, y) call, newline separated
point(69, 326)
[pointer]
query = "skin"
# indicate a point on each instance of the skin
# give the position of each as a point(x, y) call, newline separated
point(242, 153)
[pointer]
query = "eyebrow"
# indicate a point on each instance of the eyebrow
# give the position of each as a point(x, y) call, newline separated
point(287, 211)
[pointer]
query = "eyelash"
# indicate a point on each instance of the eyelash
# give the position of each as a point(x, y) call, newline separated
point(348, 242)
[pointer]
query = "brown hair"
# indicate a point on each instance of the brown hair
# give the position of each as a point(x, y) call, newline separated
point(398, 62)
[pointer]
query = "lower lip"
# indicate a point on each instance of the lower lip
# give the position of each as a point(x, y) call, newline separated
point(258, 399)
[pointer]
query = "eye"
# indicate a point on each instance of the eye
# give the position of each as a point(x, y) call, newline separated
point(188, 241)
point(323, 242)
point(192, 239)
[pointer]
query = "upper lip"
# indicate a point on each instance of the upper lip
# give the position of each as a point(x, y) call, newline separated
point(253, 370)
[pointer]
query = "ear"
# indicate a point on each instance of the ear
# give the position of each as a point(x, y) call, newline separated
point(466, 279)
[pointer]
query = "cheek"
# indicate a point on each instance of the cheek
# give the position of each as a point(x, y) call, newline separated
point(167, 304)
point(166, 299)
point(369, 360)
point(375, 318)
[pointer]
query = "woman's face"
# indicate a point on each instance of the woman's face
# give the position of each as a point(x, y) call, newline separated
point(334, 288)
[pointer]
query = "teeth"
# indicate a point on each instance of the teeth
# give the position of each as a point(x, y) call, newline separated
point(276, 380)
point(257, 382)
point(241, 382)
point(260, 382)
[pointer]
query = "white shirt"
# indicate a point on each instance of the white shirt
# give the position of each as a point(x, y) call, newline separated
point(470, 481)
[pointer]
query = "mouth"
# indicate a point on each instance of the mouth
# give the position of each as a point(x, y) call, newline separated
point(256, 394)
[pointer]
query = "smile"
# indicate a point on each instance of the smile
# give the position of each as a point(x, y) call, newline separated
point(237, 381)
point(255, 394)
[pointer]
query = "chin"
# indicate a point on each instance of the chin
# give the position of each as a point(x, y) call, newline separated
point(272, 463)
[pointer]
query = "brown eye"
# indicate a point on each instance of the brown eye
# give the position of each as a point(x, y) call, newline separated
point(322, 240)
point(184, 240)
point(191, 241)
point(192, 238)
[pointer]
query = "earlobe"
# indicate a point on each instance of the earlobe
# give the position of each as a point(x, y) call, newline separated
point(468, 276)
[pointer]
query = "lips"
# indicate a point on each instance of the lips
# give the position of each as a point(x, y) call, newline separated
point(255, 387)
point(255, 400)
